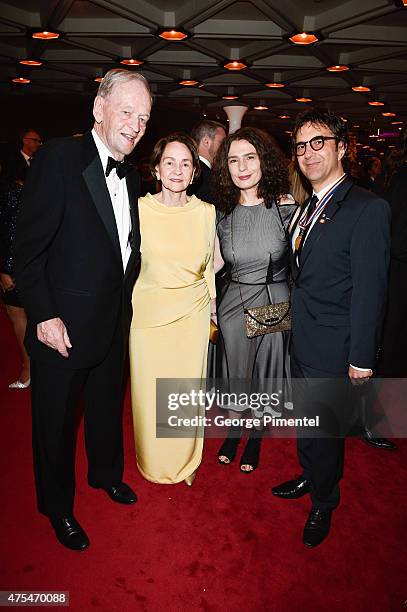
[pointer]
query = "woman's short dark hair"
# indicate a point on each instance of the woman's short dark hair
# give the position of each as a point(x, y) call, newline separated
point(183, 138)
point(274, 173)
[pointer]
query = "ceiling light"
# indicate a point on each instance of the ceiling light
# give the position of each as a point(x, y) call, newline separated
point(235, 65)
point(172, 35)
point(337, 68)
point(303, 99)
point(188, 83)
point(361, 88)
point(98, 79)
point(275, 85)
point(28, 62)
point(397, 122)
point(284, 116)
point(356, 125)
point(376, 103)
point(389, 114)
point(260, 108)
point(229, 97)
point(21, 80)
point(131, 62)
point(45, 35)
point(288, 132)
point(303, 38)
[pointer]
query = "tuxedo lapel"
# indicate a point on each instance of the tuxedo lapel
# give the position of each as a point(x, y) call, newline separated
point(96, 183)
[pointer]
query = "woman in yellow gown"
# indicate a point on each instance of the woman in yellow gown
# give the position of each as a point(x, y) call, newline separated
point(171, 305)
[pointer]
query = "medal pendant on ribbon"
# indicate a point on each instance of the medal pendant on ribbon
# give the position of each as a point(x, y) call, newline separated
point(297, 242)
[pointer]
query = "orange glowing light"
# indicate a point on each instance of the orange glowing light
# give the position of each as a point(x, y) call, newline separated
point(376, 103)
point(45, 35)
point(21, 80)
point(275, 85)
point(173, 35)
point(188, 83)
point(304, 38)
point(28, 62)
point(303, 99)
point(131, 62)
point(360, 88)
point(235, 65)
point(337, 68)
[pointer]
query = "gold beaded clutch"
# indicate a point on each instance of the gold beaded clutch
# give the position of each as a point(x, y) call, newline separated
point(213, 332)
point(267, 319)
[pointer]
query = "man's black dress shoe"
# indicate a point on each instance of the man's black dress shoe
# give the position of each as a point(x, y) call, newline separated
point(384, 443)
point(292, 489)
point(317, 527)
point(70, 533)
point(120, 493)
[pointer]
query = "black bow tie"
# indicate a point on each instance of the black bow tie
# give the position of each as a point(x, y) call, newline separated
point(122, 168)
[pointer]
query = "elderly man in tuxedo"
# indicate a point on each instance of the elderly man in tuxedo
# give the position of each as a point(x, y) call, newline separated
point(340, 255)
point(77, 257)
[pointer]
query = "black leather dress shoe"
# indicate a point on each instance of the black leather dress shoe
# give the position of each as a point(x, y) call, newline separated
point(70, 533)
point(317, 527)
point(292, 489)
point(121, 493)
point(384, 443)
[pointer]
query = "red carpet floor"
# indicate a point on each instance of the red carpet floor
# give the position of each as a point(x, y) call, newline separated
point(224, 545)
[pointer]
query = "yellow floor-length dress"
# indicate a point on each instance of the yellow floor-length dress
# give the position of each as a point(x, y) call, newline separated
point(170, 328)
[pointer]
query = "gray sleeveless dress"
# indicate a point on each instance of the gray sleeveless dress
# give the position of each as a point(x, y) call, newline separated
point(261, 257)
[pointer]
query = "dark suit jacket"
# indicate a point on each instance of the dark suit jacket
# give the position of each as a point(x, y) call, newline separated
point(339, 295)
point(67, 259)
point(202, 188)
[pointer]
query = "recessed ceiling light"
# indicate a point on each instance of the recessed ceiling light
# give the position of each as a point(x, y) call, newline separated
point(276, 85)
point(172, 35)
point(397, 122)
point(284, 116)
point(261, 108)
point(130, 61)
point(303, 99)
point(21, 80)
point(361, 88)
point(235, 65)
point(98, 79)
point(337, 68)
point(389, 114)
point(188, 83)
point(376, 103)
point(303, 38)
point(356, 125)
point(28, 62)
point(229, 97)
point(45, 35)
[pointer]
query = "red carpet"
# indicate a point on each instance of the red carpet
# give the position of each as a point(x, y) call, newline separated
point(224, 545)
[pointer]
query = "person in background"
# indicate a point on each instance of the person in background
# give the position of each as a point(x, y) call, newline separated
point(148, 181)
point(19, 162)
point(208, 136)
point(10, 205)
point(373, 179)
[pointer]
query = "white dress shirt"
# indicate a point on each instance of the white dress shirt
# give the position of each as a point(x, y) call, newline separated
point(206, 162)
point(120, 200)
point(26, 157)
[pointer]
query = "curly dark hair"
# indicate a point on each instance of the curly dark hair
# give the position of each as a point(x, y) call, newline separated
point(184, 139)
point(274, 173)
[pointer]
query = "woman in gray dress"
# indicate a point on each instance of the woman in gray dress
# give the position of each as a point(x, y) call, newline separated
point(252, 215)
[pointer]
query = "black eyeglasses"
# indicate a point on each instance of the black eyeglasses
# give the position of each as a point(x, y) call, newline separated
point(316, 144)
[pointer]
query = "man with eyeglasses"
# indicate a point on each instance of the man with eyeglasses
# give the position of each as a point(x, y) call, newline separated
point(20, 161)
point(340, 254)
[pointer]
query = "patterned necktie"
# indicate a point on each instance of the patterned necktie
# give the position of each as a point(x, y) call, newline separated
point(122, 168)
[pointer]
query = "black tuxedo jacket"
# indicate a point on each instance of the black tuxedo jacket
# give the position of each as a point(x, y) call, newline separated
point(202, 187)
point(339, 293)
point(68, 260)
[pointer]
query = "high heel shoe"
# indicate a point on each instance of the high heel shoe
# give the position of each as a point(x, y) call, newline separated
point(229, 446)
point(189, 480)
point(251, 455)
point(18, 384)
